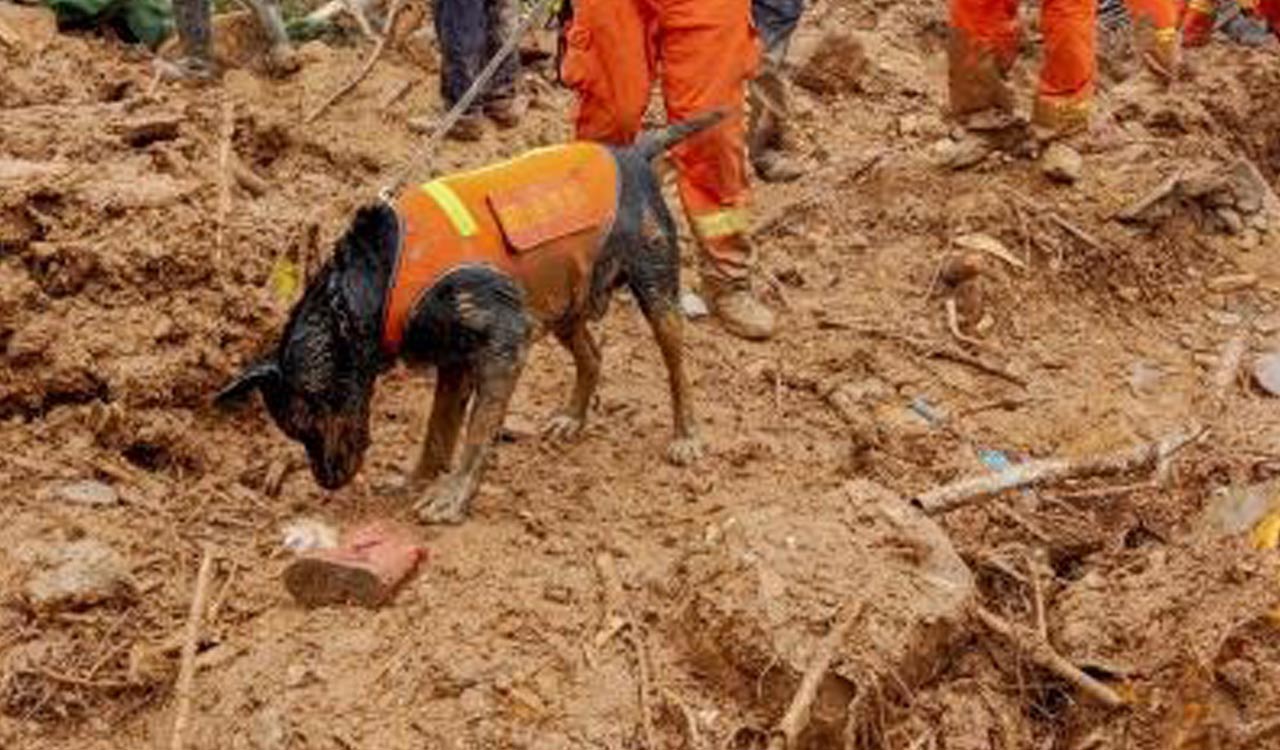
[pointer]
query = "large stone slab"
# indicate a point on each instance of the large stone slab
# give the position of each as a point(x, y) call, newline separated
point(766, 588)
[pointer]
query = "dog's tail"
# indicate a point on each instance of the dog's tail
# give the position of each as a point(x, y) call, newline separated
point(654, 142)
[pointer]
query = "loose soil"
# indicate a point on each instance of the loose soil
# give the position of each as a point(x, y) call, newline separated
point(126, 300)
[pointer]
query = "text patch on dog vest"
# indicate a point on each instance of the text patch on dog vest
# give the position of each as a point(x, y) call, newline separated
point(533, 215)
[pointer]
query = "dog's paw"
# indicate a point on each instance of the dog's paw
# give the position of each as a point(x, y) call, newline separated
point(684, 451)
point(563, 427)
point(444, 503)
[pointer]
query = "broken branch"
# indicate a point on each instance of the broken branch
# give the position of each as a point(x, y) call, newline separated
point(187, 670)
point(972, 489)
point(363, 73)
point(796, 719)
point(1040, 651)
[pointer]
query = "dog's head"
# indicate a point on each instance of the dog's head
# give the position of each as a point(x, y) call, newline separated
point(318, 382)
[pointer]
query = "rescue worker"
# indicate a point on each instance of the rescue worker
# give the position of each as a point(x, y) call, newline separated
point(770, 107)
point(194, 21)
point(1153, 25)
point(1199, 17)
point(984, 47)
point(470, 32)
point(703, 52)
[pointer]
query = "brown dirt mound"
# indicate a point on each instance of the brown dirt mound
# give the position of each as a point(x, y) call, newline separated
point(121, 314)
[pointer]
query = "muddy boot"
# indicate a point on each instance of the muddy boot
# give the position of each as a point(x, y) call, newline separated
point(505, 112)
point(774, 166)
point(739, 309)
point(468, 128)
point(282, 60)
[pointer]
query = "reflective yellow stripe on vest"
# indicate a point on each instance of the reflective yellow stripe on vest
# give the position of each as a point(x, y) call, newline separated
point(453, 207)
point(721, 223)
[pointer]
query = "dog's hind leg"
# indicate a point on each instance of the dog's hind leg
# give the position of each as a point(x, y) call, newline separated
point(447, 501)
point(454, 386)
point(654, 279)
point(569, 421)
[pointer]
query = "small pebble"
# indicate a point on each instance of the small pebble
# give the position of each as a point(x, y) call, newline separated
point(1061, 163)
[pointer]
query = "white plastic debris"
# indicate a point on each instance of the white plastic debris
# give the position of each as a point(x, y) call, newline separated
point(303, 534)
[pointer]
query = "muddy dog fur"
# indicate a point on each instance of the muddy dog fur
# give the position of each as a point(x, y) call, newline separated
point(475, 329)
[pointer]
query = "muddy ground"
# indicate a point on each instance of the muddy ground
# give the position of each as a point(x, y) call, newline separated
point(125, 302)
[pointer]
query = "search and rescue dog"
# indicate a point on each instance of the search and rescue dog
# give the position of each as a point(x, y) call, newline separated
point(463, 274)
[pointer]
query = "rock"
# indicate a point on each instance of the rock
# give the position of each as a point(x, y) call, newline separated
point(74, 575)
point(1224, 319)
point(1266, 373)
point(828, 63)
point(693, 306)
point(1250, 188)
point(88, 492)
point(1233, 511)
point(1231, 221)
point(858, 241)
point(959, 154)
point(31, 27)
point(1061, 163)
point(961, 268)
point(1232, 282)
point(758, 605)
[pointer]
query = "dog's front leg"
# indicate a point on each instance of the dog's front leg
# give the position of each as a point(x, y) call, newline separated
point(448, 407)
point(570, 420)
point(448, 500)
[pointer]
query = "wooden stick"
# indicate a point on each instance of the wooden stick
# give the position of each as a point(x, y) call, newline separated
point(369, 62)
point(187, 670)
point(224, 174)
point(1042, 652)
point(1076, 232)
point(972, 489)
point(248, 179)
point(990, 368)
point(1228, 368)
point(796, 719)
point(397, 93)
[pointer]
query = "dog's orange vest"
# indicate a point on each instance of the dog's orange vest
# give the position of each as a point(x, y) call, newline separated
point(540, 218)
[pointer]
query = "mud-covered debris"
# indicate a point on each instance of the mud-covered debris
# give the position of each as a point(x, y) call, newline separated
point(1061, 163)
point(1233, 511)
point(758, 605)
point(87, 492)
point(74, 575)
point(31, 27)
point(831, 62)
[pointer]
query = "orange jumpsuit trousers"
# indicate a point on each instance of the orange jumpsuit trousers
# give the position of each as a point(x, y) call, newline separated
point(1156, 23)
point(703, 52)
point(984, 46)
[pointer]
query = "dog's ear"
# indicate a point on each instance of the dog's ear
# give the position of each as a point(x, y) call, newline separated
point(264, 373)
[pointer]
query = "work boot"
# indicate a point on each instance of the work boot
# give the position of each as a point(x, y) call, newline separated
point(774, 166)
point(505, 112)
point(740, 311)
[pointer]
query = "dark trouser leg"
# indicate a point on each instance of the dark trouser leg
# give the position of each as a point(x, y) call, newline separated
point(193, 19)
point(460, 29)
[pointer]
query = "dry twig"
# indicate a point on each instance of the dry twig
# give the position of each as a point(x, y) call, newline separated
point(972, 489)
point(1042, 652)
point(224, 173)
point(796, 719)
point(369, 62)
point(187, 670)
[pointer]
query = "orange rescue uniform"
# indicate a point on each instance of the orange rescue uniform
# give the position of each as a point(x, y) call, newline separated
point(1156, 22)
point(703, 52)
point(984, 46)
point(541, 219)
